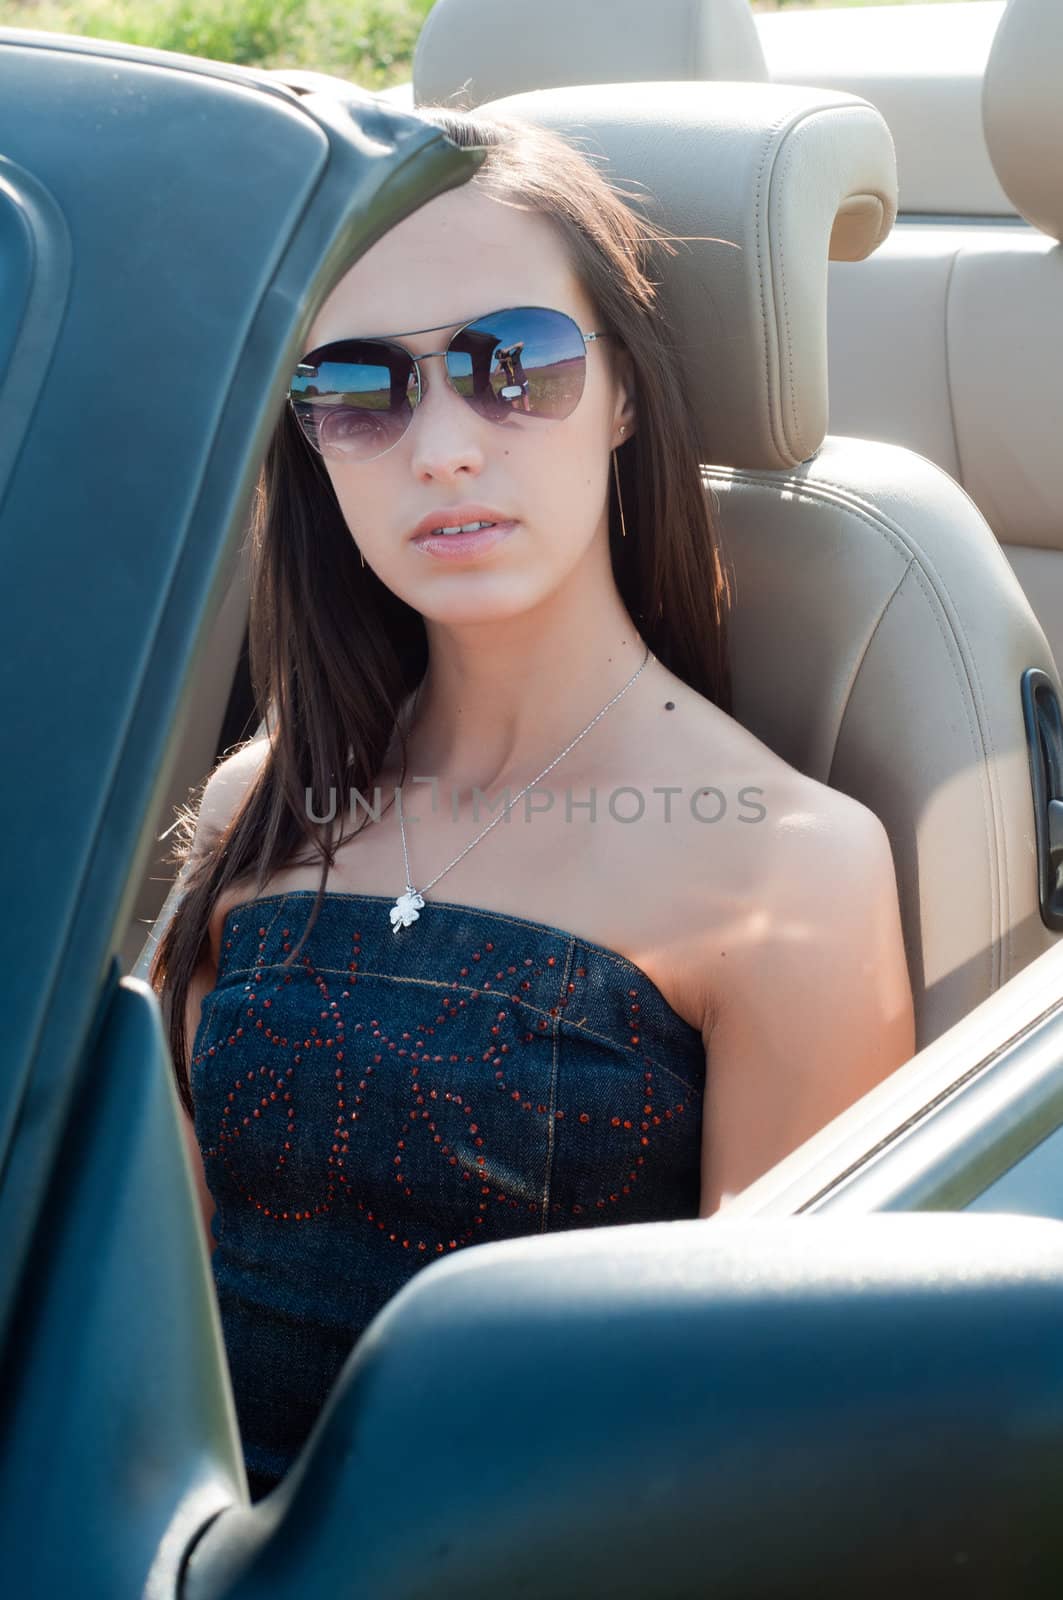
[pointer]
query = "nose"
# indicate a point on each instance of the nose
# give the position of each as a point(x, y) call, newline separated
point(444, 429)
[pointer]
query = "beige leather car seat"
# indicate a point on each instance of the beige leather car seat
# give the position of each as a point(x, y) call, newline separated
point(922, 66)
point(469, 51)
point(950, 339)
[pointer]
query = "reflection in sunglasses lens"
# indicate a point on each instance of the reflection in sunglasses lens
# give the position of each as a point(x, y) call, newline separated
point(357, 403)
point(527, 360)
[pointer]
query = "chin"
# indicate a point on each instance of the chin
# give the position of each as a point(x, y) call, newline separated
point(462, 598)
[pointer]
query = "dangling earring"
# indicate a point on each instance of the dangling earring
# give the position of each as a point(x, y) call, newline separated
point(619, 497)
point(360, 556)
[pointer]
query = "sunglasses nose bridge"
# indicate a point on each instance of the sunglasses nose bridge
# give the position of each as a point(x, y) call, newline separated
point(428, 355)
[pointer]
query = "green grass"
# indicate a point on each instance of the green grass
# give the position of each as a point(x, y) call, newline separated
point(369, 41)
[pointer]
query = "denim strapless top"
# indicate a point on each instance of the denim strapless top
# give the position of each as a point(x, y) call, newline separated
point(394, 1097)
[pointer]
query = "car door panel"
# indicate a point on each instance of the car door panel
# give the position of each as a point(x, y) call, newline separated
point(167, 229)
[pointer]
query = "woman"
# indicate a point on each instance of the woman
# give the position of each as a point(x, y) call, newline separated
point(382, 1071)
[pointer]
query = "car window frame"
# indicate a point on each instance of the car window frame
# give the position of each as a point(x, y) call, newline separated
point(946, 1126)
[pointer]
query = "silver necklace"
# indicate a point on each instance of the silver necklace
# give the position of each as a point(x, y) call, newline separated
point(408, 906)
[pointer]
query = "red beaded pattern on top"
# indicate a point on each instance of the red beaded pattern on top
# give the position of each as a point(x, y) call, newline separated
point(424, 1088)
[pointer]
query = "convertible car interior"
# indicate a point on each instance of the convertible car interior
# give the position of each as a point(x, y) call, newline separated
point(662, 1410)
point(876, 372)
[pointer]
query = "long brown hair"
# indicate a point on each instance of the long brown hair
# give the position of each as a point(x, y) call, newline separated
point(332, 687)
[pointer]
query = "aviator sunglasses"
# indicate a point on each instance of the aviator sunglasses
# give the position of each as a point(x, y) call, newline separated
point(355, 398)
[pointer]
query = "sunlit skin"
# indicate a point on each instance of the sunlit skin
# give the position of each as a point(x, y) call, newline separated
point(528, 641)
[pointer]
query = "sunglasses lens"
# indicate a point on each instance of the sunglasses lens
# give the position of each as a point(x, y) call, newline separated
point(529, 361)
point(353, 399)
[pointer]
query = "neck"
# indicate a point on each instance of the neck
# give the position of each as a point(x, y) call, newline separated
point(500, 700)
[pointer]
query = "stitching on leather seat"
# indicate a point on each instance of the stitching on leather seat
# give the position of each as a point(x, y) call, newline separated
point(957, 650)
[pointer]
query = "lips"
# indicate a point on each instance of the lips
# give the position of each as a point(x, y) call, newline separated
point(456, 517)
point(456, 530)
point(464, 546)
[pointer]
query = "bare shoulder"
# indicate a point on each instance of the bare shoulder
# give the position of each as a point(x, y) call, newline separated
point(782, 826)
point(688, 735)
point(835, 877)
point(823, 844)
point(821, 899)
point(812, 1003)
point(227, 785)
point(776, 872)
point(222, 794)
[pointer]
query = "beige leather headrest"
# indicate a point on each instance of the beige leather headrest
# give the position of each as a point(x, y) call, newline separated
point(1022, 110)
point(474, 50)
point(786, 177)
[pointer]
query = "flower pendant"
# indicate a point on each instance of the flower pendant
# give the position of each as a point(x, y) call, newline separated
point(406, 910)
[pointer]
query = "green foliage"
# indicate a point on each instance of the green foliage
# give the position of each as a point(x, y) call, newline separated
point(369, 41)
